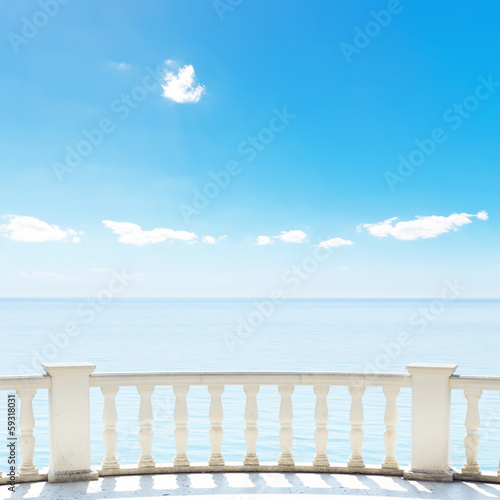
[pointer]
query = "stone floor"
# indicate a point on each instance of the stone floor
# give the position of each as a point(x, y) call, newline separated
point(261, 486)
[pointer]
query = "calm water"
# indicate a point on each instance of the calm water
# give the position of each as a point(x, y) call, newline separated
point(301, 335)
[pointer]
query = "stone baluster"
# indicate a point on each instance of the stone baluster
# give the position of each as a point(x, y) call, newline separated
point(216, 414)
point(471, 439)
point(146, 433)
point(390, 434)
point(321, 432)
point(286, 431)
point(251, 431)
point(356, 433)
point(26, 424)
point(110, 436)
point(181, 432)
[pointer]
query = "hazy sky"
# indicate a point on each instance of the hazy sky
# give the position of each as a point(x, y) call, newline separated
point(321, 149)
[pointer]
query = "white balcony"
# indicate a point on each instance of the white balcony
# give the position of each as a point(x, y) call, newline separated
point(70, 385)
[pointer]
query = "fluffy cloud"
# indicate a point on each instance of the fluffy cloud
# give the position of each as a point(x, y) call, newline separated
point(119, 66)
point(181, 87)
point(334, 243)
point(421, 227)
point(132, 234)
point(208, 239)
point(33, 230)
point(264, 240)
point(295, 236)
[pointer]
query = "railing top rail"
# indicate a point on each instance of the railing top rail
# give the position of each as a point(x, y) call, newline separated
point(478, 382)
point(244, 378)
point(14, 382)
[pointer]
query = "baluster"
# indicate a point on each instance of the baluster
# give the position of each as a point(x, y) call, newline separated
point(181, 432)
point(321, 432)
point(471, 439)
point(356, 432)
point(216, 433)
point(286, 431)
point(251, 431)
point(110, 436)
point(146, 432)
point(26, 424)
point(390, 434)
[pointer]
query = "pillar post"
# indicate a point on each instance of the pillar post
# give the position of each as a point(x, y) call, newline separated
point(69, 422)
point(430, 421)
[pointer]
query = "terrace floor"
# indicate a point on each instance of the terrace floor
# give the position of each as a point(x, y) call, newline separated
point(253, 486)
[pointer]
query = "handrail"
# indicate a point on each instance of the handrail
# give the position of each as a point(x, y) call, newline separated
point(243, 378)
point(484, 383)
point(15, 382)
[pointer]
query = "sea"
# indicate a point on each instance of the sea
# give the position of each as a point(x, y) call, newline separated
point(375, 335)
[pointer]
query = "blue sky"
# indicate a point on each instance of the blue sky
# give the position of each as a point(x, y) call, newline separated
point(327, 119)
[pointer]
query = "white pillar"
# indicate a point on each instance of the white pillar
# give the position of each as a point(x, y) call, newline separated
point(109, 435)
point(286, 430)
point(181, 432)
point(471, 440)
point(391, 432)
point(251, 431)
point(27, 440)
point(69, 422)
point(356, 417)
point(216, 414)
point(146, 460)
point(321, 431)
point(430, 421)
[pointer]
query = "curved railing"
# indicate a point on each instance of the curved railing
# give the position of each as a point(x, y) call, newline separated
point(69, 386)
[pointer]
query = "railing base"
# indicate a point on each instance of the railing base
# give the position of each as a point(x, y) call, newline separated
point(128, 470)
point(32, 478)
point(484, 477)
point(72, 477)
point(238, 467)
point(439, 477)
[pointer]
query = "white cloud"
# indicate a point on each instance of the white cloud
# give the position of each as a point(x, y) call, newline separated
point(119, 66)
point(264, 240)
point(210, 240)
point(100, 270)
point(342, 268)
point(181, 87)
point(421, 227)
point(132, 234)
point(334, 243)
point(33, 230)
point(295, 236)
point(49, 276)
